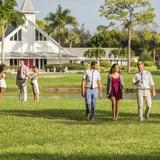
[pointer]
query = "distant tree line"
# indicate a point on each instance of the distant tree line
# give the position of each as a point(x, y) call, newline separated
point(63, 27)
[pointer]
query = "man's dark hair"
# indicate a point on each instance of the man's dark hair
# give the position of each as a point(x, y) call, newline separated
point(93, 63)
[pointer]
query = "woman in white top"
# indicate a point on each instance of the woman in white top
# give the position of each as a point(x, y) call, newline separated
point(34, 83)
point(2, 81)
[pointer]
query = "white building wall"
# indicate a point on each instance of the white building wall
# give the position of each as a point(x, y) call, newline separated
point(46, 46)
point(28, 43)
point(28, 38)
point(29, 48)
point(31, 17)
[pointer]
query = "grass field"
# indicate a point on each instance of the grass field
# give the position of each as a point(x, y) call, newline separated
point(55, 129)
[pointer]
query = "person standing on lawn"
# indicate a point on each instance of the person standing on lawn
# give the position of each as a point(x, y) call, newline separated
point(34, 83)
point(115, 89)
point(2, 81)
point(91, 83)
point(145, 88)
point(21, 80)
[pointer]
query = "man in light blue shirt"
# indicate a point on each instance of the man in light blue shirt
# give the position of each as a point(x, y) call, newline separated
point(144, 83)
point(91, 83)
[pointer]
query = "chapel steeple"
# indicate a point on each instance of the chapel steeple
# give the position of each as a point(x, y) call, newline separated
point(29, 11)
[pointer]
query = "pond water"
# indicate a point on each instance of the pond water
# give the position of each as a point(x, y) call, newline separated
point(131, 96)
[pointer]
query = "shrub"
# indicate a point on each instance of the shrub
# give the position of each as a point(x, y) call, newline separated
point(106, 64)
point(133, 64)
point(148, 63)
point(75, 66)
point(123, 68)
point(145, 56)
point(58, 67)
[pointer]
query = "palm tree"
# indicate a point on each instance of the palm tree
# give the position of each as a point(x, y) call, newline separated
point(95, 53)
point(58, 24)
point(72, 38)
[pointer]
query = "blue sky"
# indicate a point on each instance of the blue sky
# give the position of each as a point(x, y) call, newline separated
point(86, 11)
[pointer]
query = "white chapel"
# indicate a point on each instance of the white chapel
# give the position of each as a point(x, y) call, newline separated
point(31, 43)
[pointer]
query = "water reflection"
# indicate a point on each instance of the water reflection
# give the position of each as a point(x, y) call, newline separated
point(130, 96)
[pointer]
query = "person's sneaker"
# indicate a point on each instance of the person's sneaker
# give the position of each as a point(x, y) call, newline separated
point(140, 119)
point(92, 119)
point(146, 116)
point(88, 116)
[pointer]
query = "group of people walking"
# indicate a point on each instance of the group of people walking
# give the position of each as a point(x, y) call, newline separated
point(21, 81)
point(115, 90)
point(91, 86)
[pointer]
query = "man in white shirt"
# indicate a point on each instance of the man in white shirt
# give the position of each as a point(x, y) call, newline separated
point(21, 80)
point(144, 83)
point(91, 83)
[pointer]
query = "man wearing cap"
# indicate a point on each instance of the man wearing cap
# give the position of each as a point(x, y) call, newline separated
point(21, 80)
point(145, 88)
point(91, 83)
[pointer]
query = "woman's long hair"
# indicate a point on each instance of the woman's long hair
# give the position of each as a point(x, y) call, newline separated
point(112, 67)
point(2, 66)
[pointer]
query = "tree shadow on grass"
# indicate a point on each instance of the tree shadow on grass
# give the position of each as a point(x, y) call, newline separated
point(75, 116)
point(79, 156)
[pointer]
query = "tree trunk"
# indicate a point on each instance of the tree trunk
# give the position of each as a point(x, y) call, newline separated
point(129, 48)
point(70, 45)
point(2, 44)
point(59, 51)
point(154, 55)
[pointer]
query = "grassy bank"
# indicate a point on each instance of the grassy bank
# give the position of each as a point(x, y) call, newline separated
point(55, 130)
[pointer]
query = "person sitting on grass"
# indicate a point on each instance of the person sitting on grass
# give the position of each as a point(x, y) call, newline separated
point(115, 89)
point(2, 81)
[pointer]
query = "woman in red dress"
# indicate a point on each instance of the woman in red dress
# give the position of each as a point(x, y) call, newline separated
point(115, 89)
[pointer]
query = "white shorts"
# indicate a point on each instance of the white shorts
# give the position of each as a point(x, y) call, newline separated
point(35, 87)
point(2, 83)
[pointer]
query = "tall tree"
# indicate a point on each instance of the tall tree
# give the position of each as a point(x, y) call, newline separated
point(58, 24)
point(154, 43)
point(41, 24)
point(84, 36)
point(131, 13)
point(109, 38)
point(8, 16)
point(72, 38)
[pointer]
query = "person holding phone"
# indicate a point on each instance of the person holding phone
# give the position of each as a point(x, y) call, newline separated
point(145, 88)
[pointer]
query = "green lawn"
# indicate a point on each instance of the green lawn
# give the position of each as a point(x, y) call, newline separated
point(55, 129)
